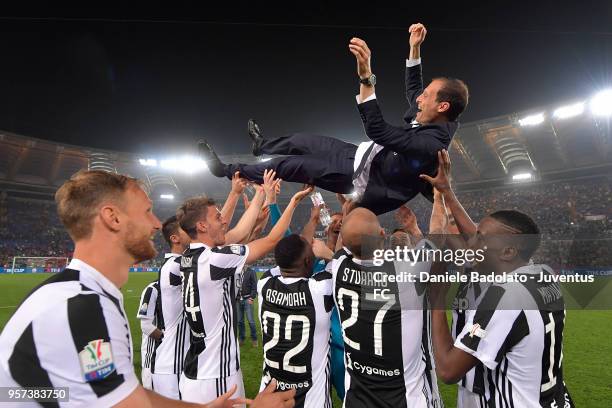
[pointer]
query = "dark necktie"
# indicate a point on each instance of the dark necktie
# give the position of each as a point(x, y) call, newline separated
point(364, 160)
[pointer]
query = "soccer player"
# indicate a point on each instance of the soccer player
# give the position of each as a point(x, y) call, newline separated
point(170, 354)
point(516, 329)
point(148, 314)
point(209, 267)
point(382, 321)
point(295, 311)
point(72, 331)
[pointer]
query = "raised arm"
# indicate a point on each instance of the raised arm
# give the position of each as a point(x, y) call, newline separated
point(408, 221)
point(414, 73)
point(247, 222)
point(238, 185)
point(442, 183)
point(310, 227)
point(439, 219)
point(363, 55)
point(259, 248)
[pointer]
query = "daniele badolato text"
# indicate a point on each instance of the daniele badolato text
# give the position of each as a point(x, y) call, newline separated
point(412, 257)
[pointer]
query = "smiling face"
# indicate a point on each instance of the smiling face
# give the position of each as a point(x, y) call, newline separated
point(336, 223)
point(142, 225)
point(429, 109)
point(214, 226)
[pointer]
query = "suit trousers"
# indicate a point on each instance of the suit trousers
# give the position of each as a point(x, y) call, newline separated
point(310, 159)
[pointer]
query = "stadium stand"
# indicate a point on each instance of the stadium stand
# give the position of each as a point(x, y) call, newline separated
point(567, 186)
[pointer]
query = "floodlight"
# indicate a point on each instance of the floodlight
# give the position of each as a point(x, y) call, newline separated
point(569, 111)
point(601, 103)
point(532, 120)
point(521, 176)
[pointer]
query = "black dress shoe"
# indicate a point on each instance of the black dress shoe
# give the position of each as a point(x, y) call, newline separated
point(215, 165)
point(256, 136)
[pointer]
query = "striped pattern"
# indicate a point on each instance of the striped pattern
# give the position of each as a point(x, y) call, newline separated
point(47, 342)
point(149, 314)
point(522, 354)
point(209, 276)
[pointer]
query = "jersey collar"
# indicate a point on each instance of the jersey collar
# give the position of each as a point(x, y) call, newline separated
point(104, 283)
point(195, 245)
point(170, 255)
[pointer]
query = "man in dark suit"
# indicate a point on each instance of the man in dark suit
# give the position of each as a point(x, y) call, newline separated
point(382, 173)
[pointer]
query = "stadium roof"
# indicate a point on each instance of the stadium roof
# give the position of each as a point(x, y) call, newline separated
point(546, 144)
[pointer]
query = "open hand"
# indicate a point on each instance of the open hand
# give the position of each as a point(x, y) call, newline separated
point(238, 183)
point(270, 399)
point(224, 400)
point(441, 181)
point(299, 196)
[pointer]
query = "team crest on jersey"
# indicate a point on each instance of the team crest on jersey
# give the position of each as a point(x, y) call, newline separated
point(186, 261)
point(237, 249)
point(97, 360)
point(143, 309)
point(475, 330)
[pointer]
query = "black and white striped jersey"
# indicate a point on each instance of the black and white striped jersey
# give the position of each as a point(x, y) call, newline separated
point(71, 331)
point(170, 354)
point(148, 314)
point(467, 297)
point(383, 328)
point(516, 331)
point(295, 316)
point(209, 303)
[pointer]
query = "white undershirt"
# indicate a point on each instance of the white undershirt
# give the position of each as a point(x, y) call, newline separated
point(361, 182)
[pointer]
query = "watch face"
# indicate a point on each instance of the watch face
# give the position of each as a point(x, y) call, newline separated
point(372, 80)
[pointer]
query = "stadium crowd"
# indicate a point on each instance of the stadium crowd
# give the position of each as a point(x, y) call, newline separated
point(565, 211)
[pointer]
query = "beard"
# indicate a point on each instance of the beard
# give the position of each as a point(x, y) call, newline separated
point(139, 246)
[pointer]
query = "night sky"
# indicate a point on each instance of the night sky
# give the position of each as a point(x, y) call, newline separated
point(156, 81)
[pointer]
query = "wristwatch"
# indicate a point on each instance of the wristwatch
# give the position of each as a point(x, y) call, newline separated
point(369, 81)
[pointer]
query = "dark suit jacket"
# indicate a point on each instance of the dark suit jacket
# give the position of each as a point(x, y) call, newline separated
point(407, 151)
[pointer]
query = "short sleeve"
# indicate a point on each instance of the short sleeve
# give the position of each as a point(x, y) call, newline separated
point(146, 308)
point(103, 351)
point(225, 261)
point(491, 330)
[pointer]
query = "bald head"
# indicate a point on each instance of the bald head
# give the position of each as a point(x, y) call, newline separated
point(361, 233)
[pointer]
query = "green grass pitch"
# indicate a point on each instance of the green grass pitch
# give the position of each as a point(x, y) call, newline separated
point(587, 353)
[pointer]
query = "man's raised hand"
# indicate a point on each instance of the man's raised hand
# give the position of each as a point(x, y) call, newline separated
point(299, 196)
point(238, 183)
point(362, 53)
point(442, 179)
point(417, 34)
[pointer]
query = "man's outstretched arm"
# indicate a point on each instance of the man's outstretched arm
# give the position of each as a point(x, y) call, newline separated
point(419, 140)
point(414, 74)
point(442, 183)
point(238, 185)
point(247, 222)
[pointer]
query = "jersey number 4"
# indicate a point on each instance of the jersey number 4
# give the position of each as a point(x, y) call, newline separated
point(271, 322)
point(192, 306)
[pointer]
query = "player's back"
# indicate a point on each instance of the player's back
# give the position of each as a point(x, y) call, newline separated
point(523, 324)
point(171, 352)
point(382, 322)
point(295, 319)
